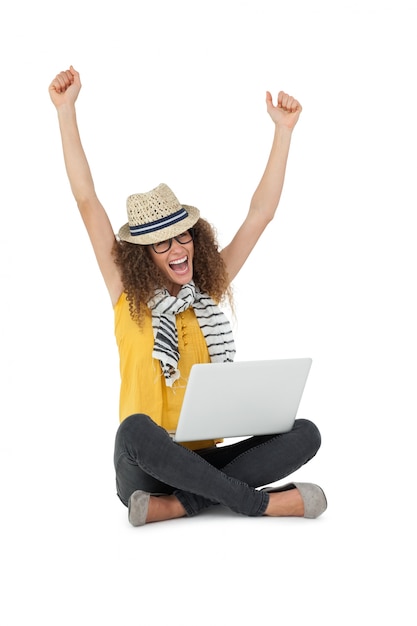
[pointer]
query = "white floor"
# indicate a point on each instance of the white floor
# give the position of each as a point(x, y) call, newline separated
point(68, 558)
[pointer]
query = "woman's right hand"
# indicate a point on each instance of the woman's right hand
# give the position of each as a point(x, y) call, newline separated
point(65, 87)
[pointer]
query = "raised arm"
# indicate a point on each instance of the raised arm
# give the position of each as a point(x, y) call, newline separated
point(64, 91)
point(268, 193)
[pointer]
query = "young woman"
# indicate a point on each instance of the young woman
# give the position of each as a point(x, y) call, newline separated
point(166, 277)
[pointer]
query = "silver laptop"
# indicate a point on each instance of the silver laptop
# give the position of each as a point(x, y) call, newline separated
point(242, 398)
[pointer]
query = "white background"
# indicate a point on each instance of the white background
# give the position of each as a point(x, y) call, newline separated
point(174, 92)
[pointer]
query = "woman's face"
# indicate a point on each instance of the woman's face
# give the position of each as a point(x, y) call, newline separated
point(176, 263)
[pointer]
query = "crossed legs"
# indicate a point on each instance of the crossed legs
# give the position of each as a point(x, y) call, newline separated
point(147, 459)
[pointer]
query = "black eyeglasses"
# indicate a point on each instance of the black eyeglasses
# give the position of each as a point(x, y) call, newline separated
point(164, 246)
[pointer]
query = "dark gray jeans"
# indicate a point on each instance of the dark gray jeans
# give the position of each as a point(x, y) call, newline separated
point(146, 458)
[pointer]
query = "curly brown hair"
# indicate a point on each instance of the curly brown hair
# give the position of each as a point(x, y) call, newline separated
point(140, 275)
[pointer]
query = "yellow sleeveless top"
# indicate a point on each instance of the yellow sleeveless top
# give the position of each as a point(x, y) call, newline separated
point(143, 388)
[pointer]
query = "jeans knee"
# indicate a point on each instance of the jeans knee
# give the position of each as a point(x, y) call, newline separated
point(132, 428)
point(311, 434)
point(134, 424)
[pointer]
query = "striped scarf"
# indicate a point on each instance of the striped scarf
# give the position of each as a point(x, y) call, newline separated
point(213, 324)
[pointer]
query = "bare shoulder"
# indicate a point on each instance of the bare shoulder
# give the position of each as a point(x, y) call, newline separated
point(102, 238)
point(238, 250)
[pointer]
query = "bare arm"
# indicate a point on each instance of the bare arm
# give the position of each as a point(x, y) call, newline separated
point(64, 91)
point(267, 195)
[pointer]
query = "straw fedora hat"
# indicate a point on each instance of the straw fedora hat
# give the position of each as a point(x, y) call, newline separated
point(156, 215)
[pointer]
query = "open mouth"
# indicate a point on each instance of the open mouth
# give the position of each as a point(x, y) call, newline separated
point(179, 266)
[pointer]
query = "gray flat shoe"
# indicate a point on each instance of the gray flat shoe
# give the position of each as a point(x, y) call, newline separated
point(138, 507)
point(315, 502)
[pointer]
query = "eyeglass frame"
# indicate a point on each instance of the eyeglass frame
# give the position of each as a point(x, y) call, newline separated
point(170, 240)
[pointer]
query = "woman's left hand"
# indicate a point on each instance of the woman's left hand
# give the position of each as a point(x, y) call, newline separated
point(287, 110)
